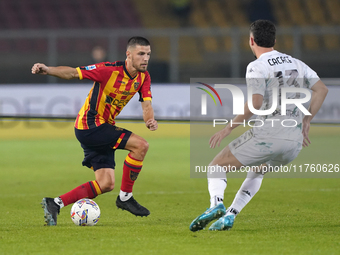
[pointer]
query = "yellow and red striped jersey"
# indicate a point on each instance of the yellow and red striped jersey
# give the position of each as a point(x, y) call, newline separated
point(112, 89)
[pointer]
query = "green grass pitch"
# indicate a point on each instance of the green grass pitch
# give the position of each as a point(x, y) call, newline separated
point(287, 216)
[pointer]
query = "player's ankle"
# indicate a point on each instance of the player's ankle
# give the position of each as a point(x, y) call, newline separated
point(59, 202)
point(232, 211)
point(124, 196)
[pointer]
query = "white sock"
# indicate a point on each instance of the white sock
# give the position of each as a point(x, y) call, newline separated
point(249, 188)
point(125, 195)
point(217, 183)
point(59, 202)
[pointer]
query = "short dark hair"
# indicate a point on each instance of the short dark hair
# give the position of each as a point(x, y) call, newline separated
point(264, 32)
point(138, 40)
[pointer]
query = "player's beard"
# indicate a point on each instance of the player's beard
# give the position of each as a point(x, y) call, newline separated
point(139, 68)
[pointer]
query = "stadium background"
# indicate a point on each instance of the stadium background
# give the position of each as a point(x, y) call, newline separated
point(190, 38)
point(210, 39)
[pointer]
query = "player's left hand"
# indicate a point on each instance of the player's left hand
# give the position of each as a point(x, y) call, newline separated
point(218, 137)
point(152, 124)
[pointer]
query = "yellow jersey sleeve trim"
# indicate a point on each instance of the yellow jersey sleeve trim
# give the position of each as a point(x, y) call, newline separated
point(147, 98)
point(79, 73)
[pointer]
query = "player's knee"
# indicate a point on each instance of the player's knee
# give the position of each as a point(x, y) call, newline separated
point(107, 186)
point(143, 147)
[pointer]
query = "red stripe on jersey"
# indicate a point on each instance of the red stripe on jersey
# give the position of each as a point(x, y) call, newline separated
point(117, 84)
point(113, 95)
point(84, 120)
point(116, 112)
point(99, 96)
point(77, 120)
point(128, 86)
point(97, 120)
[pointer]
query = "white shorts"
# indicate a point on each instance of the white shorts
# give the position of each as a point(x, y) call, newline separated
point(251, 151)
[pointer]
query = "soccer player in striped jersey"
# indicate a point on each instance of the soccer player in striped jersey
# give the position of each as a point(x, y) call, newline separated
point(268, 145)
point(114, 85)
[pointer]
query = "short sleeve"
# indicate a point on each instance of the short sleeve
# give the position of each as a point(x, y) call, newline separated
point(255, 79)
point(145, 90)
point(94, 72)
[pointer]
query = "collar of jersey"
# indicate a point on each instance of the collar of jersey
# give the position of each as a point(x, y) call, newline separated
point(268, 53)
point(127, 72)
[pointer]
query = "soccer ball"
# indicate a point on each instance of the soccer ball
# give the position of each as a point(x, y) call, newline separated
point(85, 212)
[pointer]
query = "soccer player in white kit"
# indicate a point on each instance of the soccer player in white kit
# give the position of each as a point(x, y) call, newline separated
point(268, 145)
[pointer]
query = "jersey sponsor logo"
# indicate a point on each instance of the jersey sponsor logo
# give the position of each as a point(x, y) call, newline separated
point(108, 100)
point(119, 103)
point(122, 92)
point(122, 82)
point(115, 101)
point(91, 67)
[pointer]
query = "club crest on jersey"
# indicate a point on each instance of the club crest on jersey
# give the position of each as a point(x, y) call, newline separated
point(135, 85)
point(91, 67)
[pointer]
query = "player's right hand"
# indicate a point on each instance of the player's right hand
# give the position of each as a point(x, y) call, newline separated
point(305, 132)
point(39, 68)
point(152, 124)
point(218, 137)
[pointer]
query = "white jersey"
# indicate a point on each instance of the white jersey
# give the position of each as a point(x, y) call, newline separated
point(275, 69)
